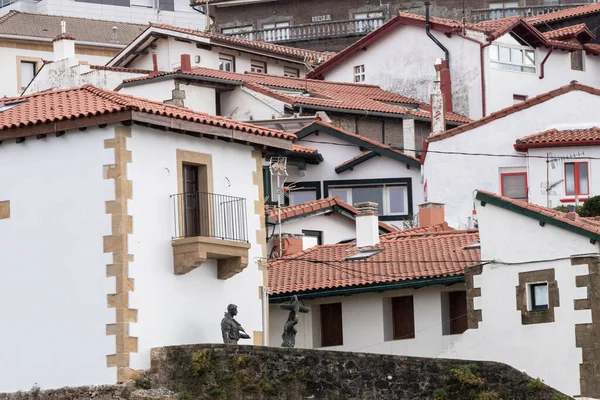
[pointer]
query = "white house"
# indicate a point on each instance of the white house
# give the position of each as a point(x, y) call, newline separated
point(491, 65)
point(26, 44)
point(399, 293)
point(485, 155)
point(176, 12)
point(532, 302)
point(160, 47)
point(125, 224)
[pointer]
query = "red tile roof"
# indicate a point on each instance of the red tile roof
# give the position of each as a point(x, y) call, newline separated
point(304, 209)
point(571, 219)
point(361, 155)
point(559, 138)
point(88, 101)
point(323, 94)
point(299, 54)
point(513, 109)
point(301, 149)
point(403, 259)
point(563, 14)
point(439, 229)
point(495, 28)
point(569, 32)
point(121, 69)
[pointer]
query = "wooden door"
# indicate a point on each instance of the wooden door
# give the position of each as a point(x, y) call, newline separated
point(331, 325)
point(458, 312)
point(190, 201)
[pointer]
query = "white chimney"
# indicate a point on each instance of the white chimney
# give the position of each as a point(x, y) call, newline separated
point(438, 114)
point(367, 224)
point(64, 47)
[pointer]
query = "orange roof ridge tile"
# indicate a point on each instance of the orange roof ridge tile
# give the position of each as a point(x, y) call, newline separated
point(564, 14)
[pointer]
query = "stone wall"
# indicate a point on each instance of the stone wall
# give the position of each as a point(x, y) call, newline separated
point(250, 372)
point(128, 391)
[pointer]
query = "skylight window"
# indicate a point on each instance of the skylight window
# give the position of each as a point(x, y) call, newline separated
point(363, 255)
point(8, 106)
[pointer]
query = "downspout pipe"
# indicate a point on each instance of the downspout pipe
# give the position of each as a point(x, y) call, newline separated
point(483, 92)
point(428, 31)
point(542, 65)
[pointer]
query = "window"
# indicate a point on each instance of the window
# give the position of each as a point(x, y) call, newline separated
point(576, 179)
point(302, 196)
point(291, 72)
point(226, 63)
point(258, 66)
point(577, 60)
point(267, 185)
point(359, 73)
point(143, 3)
point(519, 98)
point(391, 199)
point(512, 59)
point(276, 31)
point(28, 71)
point(514, 185)
point(331, 325)
point(403, 316)
point(538, 293)
point(454, 312)
point(311, 239)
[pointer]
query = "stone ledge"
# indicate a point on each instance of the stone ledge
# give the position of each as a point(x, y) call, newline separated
point(190, 253)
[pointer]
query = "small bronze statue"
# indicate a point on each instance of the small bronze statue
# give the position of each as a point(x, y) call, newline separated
point(289, 329)
point(231, 329)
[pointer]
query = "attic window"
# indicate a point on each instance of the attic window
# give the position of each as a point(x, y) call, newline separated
point(363, 255)
point(8, 106)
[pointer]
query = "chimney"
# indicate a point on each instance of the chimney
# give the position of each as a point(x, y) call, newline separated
point(186, 63)
point(291, 243)
point(431, 214)
point(64, 47)
point(438, 112)
point(154, 63)
point(446, 86)
point(367, 224)
point(408, 136)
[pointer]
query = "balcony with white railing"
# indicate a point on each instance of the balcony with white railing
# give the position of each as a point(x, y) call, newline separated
point(321, 30)
point(529, 11)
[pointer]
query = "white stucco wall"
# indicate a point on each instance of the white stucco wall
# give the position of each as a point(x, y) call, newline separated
point(363, 318)
point(169, 53)
point(537, 172)
point(157, 90)
point(244, 104)
point(53, 283)
point(544, 350)
point(9, 85)
point(68, 73)
point(403, 60)
point(183, 16)
point(186, 308)
point(452, 178)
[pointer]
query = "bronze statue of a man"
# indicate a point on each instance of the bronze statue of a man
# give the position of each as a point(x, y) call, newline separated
point(289, 329)
point(231, 329)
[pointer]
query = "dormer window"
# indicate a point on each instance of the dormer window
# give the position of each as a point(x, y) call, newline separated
point(512, 58)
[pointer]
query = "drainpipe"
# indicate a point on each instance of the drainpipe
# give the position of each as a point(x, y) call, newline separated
point(542, 70)
point(482, 60)
point(427, 30)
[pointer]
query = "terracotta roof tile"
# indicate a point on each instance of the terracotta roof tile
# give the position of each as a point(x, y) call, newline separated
point(563, 14)
point(556, 138)
point(86, 101)
point(568, 32)
point(301, 149)
point(513, 109)
point(82, 29)
point(297, 53)
point(591, 226)
point(322, 94)
point(361, 155)
point(406, 258)
point(496, 27)
point(304, 209)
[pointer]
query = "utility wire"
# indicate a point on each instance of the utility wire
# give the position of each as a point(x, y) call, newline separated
point(460, 153)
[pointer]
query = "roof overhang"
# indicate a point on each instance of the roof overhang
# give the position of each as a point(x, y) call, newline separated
point(571, 143)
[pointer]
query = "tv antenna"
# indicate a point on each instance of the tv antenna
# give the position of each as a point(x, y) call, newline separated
point(278, 168)
point(552, 161)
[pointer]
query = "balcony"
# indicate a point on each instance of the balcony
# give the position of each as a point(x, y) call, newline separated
point(496, 13)
point(321, 30)
point(210, 226)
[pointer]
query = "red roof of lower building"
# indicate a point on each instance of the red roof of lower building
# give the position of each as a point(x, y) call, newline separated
point(559, 138)
point(408, 258)
point(579, 31)
point(563, 14)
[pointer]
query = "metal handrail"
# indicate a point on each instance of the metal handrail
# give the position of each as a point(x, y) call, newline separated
point(485, 14)
point(210, 215)
point(313, 31)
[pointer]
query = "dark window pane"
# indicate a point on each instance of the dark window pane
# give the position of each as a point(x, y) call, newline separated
point(570, 178)
point(403, 313)
point(302, 197)
point(397, 200)
point(373, 194)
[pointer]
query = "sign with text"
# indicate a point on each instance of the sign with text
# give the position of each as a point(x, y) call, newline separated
point(321, 18)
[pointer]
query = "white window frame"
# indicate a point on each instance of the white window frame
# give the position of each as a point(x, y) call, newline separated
point(22, 63)
point(385, 194)
point(258, 66)
point(295, 74)
point(224, 59)
point(504, 65)
point(359, 73)
point(143, 3)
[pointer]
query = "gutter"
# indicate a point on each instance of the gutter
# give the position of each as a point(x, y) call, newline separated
point(483, 91)
point(522, 147)
point(542, 69)
point(433, 38)
point(348, 291)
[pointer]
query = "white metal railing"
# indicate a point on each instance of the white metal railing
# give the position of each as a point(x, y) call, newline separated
point(496, 13)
